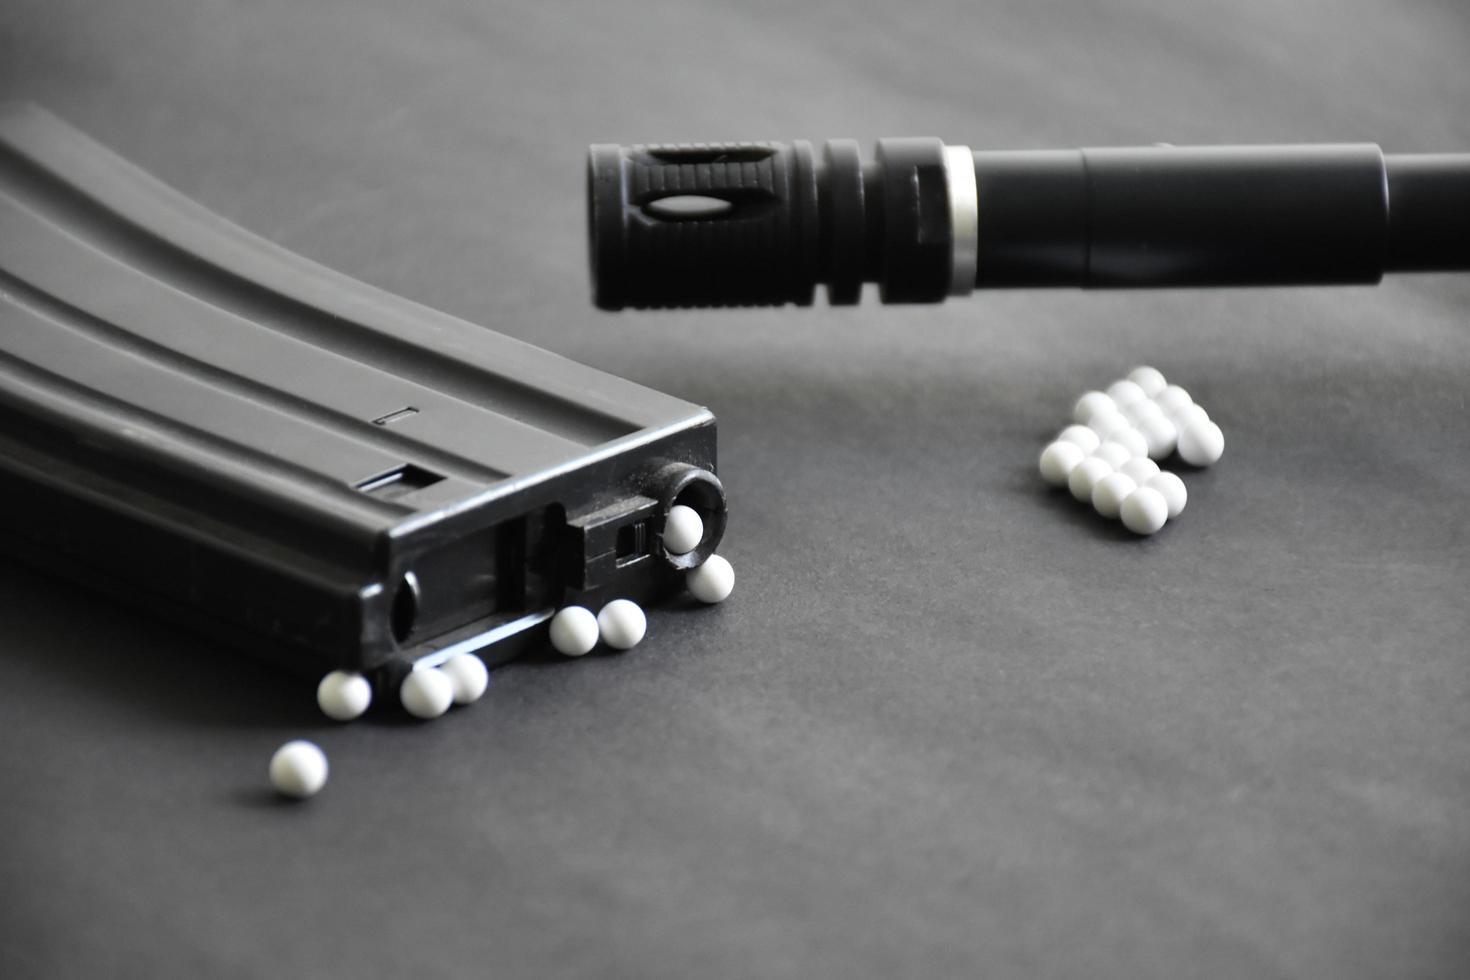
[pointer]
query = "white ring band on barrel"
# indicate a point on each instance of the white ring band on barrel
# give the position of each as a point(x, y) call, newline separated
point(964, 218)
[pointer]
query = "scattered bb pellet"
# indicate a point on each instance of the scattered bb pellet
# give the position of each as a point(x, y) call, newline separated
point(621, 624)
point(344, 695)
point(714, 580)
point(298, 769)
point(467, 673)
point(574, 631)
point(426, 692)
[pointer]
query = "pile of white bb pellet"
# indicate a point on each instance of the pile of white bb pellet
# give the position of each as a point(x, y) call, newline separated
point(1109, 457)
point(299, 768)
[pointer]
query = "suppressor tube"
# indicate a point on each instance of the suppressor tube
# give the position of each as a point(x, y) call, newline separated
point(763, 223)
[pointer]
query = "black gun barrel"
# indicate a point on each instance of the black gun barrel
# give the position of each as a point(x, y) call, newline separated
point(747, 224)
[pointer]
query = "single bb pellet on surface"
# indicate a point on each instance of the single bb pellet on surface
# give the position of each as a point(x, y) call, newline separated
point(426, 692)
point(298, 769)
point(712, 581)
point(574, 631)
point(467, 673)
point(344, 695)
point(621, 624)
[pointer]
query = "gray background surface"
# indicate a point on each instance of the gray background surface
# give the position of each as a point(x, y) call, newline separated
point(949, 724)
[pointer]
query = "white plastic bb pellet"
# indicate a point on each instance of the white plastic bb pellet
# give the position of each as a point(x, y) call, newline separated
point(1082, 436)
point(1085, 475)
point(1058, 459)
point(1132, 440)
point(1201, 443)
point(1110, 493)
point(298, 769)
point(1173, 399)
point(1189, 415)
point(1161, 435)
point(1115, 454)
point(1091, 403)
point(1145, 409)
point(574, 631)
point(1141, 468)
point(1151, 380)
point(426, 692)
point(344, 695)
point(622, 624)
point(1175, 494)
point(1124, 393)
point(683, 530)
point(1106, 423)
point(1144, 511)
point(715, 579)
point(468, 675)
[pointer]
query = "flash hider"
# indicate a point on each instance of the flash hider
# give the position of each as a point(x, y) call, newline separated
point(748, 224)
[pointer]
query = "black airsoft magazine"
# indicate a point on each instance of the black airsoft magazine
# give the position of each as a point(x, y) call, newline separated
point(303, 466)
